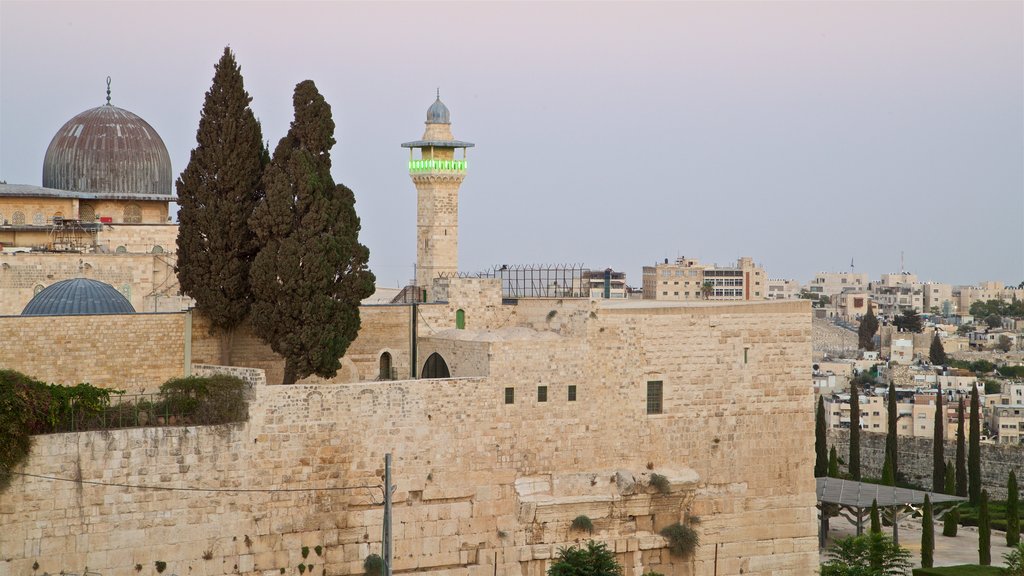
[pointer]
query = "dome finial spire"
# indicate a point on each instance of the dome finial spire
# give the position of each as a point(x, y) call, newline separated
point(438, 92)
point(108, 90)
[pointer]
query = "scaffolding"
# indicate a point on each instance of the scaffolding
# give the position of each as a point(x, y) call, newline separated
point(68, 235)
point(538, 280)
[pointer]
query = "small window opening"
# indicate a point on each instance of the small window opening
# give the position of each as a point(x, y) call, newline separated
point(460, 319)
point(572, 392)
point(510, 395)
point(654, 397)
point(542, 393)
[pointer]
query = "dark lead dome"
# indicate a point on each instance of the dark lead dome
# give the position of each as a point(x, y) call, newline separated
point(78, 296)
point(438, 113)
point(108, 150)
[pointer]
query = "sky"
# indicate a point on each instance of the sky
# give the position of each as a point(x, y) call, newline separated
point(804, 134)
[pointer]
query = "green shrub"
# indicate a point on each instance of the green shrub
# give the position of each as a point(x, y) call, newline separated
point(216, 399)
point(683, 540)
point(373, 565)
point(160, 566)
point(582, 523)
point(661, 483)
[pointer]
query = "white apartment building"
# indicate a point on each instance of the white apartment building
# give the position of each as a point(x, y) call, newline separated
point(688, 279)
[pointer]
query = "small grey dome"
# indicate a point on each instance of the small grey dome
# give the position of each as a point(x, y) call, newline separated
point(78, 296)
point(438, 113)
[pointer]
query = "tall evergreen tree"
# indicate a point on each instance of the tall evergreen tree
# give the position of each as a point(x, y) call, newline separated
point(867, 329)
point(961, 452)
point(888, 477)
point(950, 486)
point(939, 445)
point(876, 519)
point(909, 321)
point(1012, 511)
point(854, 462)
point(891, 442)
point(984, 531)
point(311, 271)
point(950, 522)
point(820, 441)
point(927, 535)
point(974, 450)
point(833, 463)
point(217, 192)
point(937, 353)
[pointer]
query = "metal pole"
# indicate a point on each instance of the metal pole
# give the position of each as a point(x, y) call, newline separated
point(386, 541)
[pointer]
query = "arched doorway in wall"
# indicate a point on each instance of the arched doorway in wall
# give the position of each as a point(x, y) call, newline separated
point(435, 367)
point(460, 319)
point(385, 367)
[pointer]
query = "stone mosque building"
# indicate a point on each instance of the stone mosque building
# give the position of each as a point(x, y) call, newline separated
point(508, 417)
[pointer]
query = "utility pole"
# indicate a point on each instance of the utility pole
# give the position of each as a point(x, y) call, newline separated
point(386, 535)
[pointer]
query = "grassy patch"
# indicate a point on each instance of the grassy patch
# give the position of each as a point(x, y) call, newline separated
point(964, 570)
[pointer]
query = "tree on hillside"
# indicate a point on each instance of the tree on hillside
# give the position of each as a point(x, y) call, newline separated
point(961, 452)
point(1012, 511)
point(707, 289)
point(891, 441)
point(594, 560)
point(217, 192)
point(853, 465)
point(938, 444)
point(927, 535)
point(909, 321)
point(984, 531)
point(311, 271)
point(974, 449)
point(965, 329)
point(994, 320)
point(867, 329)
point(820, 441)
point(937, 353)
point(1005, 343)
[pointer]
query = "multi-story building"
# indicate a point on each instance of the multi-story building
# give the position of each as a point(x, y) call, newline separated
point(605, 283)
point(832, 283)
point(964, 296)
point(782, 289)
point(938, 298)
point(916, 413)
point(688, 279)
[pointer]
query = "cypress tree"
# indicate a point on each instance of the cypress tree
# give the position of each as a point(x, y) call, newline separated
point(833, 463)
point(984, 532)
point(854, 463)
point(867, 329)
point(890, 439)
point(961, 455)
point(936, 353)
point(950, 522)
point(888, 478)
point(927, 535)
point(938, 445)
point(311, 271)
point(1012, 511)
point(876, 520)
point(950, 485)
point(217, 192)
point(974, 450)
point(820, 441)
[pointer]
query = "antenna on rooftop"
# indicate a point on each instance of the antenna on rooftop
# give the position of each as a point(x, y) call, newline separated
point(901, 261)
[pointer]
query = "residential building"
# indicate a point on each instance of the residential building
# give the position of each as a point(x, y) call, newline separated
point(686, 278)
point(782, 289)
point(832, 283)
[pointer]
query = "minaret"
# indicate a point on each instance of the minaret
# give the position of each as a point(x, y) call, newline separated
point(437, 174)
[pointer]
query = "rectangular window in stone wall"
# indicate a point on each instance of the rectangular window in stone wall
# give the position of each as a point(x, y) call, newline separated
point(510, 395)
point(542, 393)
point(572, 392)
point(654, 397)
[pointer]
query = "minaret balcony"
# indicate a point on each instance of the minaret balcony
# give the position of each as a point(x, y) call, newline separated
point(437, 166)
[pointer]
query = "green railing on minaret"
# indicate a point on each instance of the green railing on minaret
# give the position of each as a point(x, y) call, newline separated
point(435, 165)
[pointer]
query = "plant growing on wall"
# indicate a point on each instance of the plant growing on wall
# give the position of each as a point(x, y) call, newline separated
point(593, 560)
point(373, 565)
point(661, 483)
point(160, 566)
point(305, 552)
point(682, 539)
point(582, 523)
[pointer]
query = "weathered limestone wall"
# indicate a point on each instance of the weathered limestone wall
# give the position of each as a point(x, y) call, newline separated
point(384, 328)
point(135, 352)
point(147, 280)
point(480, 482)
point(139, 238)
point(915, 458)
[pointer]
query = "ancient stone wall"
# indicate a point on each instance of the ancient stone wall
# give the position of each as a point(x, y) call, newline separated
point(135, 352)
point(145, 279)
point(915, 459)
point(483, 486)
